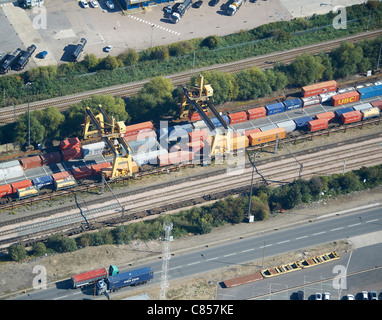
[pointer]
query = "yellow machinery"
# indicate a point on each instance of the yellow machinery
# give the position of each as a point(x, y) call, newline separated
point(200, 94)
point(112, 133)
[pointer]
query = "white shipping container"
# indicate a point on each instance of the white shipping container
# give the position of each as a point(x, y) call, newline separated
point(310, 101)
point(268, 127)
point(93, 149)
point(148, 157)
point(363, 106)
point(348, 89)
point(9, 164)
point(289, 125)
point(11, 172)
point(327, 96)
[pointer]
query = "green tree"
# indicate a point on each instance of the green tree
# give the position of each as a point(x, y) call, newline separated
point(39, 249)
point(91, 62)
point(305, 70)
point(67, 244)
point(110, 63)
point(129, 58)
point(211, 42)
point(37, 131)
point(52, 120)
point(346, 59)
point(17, 252)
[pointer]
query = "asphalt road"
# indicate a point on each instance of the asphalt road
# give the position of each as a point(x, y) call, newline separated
point(238, 251)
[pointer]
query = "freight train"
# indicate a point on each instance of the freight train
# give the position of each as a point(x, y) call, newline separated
point(183, 143)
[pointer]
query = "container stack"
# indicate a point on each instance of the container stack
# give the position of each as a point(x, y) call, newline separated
point(71, 149)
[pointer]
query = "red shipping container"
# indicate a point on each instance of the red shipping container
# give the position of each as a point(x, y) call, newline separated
point(52, 157)
point(330, 116)
point(96, 168)
point(31, 162)
point(250, 131)
point(317, 88)
point(345, 98)
point(143, 134)
point(69, 154)
point(350, 117)
point(60, 175)
point(198, 135)
point(194, 116)
point(5, 190)
point(318, 124)
point(377, 104)
point(20, 185)
point(238, 117)
point(70, 143)
point(256, 113)
point(82, 172)
point(135, 128)
point(174, 158)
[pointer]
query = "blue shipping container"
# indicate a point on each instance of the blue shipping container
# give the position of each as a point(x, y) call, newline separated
point(130, 278)
point(42, 181)
point(302, 122)
point(339, 112)
point(217, 123)
point(293, 104)
point(370, 92)
point(275, 108)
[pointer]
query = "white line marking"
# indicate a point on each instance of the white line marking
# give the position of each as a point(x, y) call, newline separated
point(372, 220)
point(60, 297)
point(316, 234)
point(175, 268)
point(248, 250)
point(303, 237)
point(212, 259)
point(285, 241)
point(154, 25)
point(190, 264)
point(353, 225)
point(231, 254)
point(340, 228)
point(268, 245)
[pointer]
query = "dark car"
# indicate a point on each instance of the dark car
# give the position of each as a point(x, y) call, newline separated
point(213, 3)
point(42, 54)
point(197, 4)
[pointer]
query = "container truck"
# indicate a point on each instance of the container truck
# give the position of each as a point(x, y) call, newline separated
point(90, 277)
point(24, 57)
point(130, 278)
point(234, 6)
point(179, 11)
point(9, 60)
point(78, 49)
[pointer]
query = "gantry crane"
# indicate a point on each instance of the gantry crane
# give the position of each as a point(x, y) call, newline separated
point(112, 133)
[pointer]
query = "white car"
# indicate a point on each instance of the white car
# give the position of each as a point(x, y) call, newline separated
point(108, 48)
point(110, 4)
point(84, 4)
point(94, 3)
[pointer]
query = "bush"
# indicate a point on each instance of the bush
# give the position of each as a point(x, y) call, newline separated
point(39, 249)
point(211, 42)
point(17, 252)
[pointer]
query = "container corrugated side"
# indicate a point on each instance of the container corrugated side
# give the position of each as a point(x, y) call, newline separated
point(31, 162)
point(318, 124)
point(352, 116)
point(302, 122)
point(256, 113)
point(275, 108)
point(11, 172)
point(377, 104)
point(345, 98)
point(363, 106)
point(40, 182)
point(292, 104)
point(9, 164)
point(289, 125)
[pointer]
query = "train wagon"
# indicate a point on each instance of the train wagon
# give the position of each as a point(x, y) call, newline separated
point(20, 185)
point(266, 136)
point(317, 88)
point(329, 115)
point(23, 193)
point(310, 101)
point(292, 104)
point(370, 113)
point(238, 117)
point(41, 182)
point(275, 108)
point(377, 104)
point(302, 122)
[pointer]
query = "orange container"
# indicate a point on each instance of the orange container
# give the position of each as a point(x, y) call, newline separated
point(330, 116)
point(5, 190)
point(238, 117)
point(266, 136)
point(256, 113)
point(82, 172)
point(60, 175)
point(31, 162)
point(96, 168)
point(350, 117)
point(134, 129)
point(318, 124)
point(20, 185)
point(345, 98)
point(317, 88)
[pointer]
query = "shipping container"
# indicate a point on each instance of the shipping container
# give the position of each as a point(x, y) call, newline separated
point(362, 106)
point(150, 157)
point(243, 280)
point(23, 193)
point(143, 134)
point(70, 143)
point(174, 158)
point(370, 113)
point(5, 190)
point(327, 96)
point(66, 183)
point(41, 182)
point(266, 136)
point(96, 168)
point(9, 164)
point(238, 117)
point(289, 125)
point(49, 158)
point(275, 108)
point(199, 125)
point(330, 116)
point(292, 104)
point(60, 175)
point(377, 104)
point(339, 112)
point(82, 172)
point(345, 98)
point(31, 162)
point(345, 90)
point(250, 131)
point(93, 149)
point(70, 154)
point(256, 113)
point(370, 92)
point(89, 277)
point(310, 101)
point(302, 122)
point(268, 127)
point(20, 185)
point(317, 88)
point(235, 142)
point(349, 117)
point(217, 123)
point(194, 116)
point(198, 135)
point(318, 124)
point(135, 128)
point(11, 172)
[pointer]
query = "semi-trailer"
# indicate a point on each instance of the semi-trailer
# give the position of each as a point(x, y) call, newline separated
point(179, 11)
point(24, 57)
point(234, 7)
point(78, 50)
point(92, 276)
point(9, 60)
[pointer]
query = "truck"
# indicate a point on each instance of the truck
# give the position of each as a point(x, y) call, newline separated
point(78, 50)
point(234, 6)
point(179, 10)
point(91, 277)
point(9, 60)
point(24, 57)
point(130, 278)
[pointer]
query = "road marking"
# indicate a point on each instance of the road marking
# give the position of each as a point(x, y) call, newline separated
point(212, 259)
point(303, 237)
point(372, 220)
point(353, 225)
point(175, 268)
point(60, 297)
point(340, 228)
point(154, 25)
point(268, 245)
point(248, 250)
point(316, 234)
point(231, 254)
point(190, 264)
point(285, 241)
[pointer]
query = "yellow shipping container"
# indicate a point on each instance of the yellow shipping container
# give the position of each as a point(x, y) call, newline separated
point(369, 113)
point(266, 136)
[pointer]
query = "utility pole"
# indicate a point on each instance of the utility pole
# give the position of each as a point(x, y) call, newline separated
point(167, 227)
point(249, 216)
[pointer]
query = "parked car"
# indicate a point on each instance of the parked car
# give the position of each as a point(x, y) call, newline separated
point(167, 9)
point(108, 48)
point(326, 296)
point(84, 4)
point(42, 54)
point(364, 295)
point(197, 4)
point(94, 3)
point(213, 3)
point(373, 295)
point(349, 297)
point(110, 4)
point(317, 296)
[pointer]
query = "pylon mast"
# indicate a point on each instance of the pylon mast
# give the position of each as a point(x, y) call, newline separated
point(167, 227)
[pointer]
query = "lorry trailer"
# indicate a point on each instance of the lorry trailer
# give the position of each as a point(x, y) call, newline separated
point(179, 11)
point(24, 57)
point(78, 50)
point(90, 277)
point(9, 60)
point(130, 278)
point(234, 6)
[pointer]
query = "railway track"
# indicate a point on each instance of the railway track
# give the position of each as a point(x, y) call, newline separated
point(8, 114)
point(197, 191)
